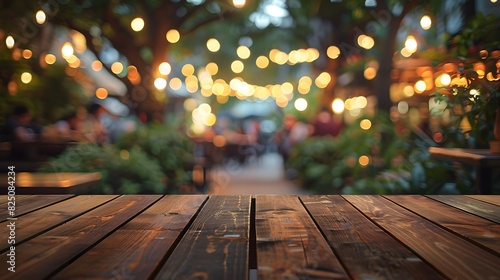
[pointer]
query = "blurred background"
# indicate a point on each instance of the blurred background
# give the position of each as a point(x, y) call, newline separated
point(256, 96)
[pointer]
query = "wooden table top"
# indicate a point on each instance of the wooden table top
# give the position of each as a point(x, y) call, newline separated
point(54, 183)
point(479, 157)
point(244, 237)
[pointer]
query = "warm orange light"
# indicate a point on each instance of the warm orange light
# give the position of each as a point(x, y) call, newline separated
point(364, 160)
point(101, 93)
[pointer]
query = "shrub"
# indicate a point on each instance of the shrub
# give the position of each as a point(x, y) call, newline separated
point(122, 172)
point(398, 162)
point(168, 146)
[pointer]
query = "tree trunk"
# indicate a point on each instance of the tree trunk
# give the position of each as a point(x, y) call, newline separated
point(385, 57)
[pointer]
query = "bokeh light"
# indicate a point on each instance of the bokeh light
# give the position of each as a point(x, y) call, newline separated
point(365, 124)
point(173, 36)
point(212, 68)
point(411, 44)
point(9, 42)
point(243, 52)
point(117, 67)
point(160, 83)
point(26, 77)
point(300, 104)
point(338, 106)
point(213, 45)
point(364, 160)
point(27, 54)
point(262, 62)
point(40, 17)
point(96, 65)
point(239, 3)
point(426, 22)
point(237, 66)
point(67, 50)
point(323, 80)
point(333, 52)
point(50, 58)
point(101, 93)
point(420, 86)
point(445, 79)
point(187, 70)
point(164, 68)
point(137, 24)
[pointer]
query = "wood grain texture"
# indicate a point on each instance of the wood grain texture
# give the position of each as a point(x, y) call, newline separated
point(493, 199)
point(365, 250)
point(216, 244)
point(452, 255)
point(41, 256)
point(289, 245)
point(51, 216)
point(477, 229)
point(28, 203)
point(474, 206)
point(135, 250)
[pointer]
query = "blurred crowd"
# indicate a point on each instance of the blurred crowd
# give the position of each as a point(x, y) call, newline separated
point(86, 124)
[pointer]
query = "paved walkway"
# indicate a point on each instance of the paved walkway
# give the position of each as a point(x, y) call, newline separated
point(264, 175)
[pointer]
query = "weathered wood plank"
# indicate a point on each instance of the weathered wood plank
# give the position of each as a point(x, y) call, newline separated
point(49, 217)
point(28, 203)
point(493, 199)
point(482, 231)
point(452, 255)
point(41, 256)
point(19, 198)
point(289, 245)
point(366, 251)
point(216, 244)
point(476, 207)
point(135, 250)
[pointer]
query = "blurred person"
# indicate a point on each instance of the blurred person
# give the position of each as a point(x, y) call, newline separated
point(20, 128)
point(69, 128)
point(293, 132)
point(325, 124)
point(92, 128)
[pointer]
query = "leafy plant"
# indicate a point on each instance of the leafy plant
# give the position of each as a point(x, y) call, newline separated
point(122, 172)
point(473, 95)
point(397, 162)
point(168, 146)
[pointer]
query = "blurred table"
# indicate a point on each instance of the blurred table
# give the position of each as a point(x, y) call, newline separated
point(253, 237)
point(482, 159)
point(51, 183)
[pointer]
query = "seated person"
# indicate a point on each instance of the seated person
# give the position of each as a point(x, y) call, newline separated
point(20, 129)
point(69, 128)
point(92, 128)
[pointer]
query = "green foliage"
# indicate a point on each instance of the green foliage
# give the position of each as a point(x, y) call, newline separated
point(166, 145)
point(398, 163)
point(477, 35)
point(122, 173)
point(152, 159)
point(477, 98)
point(50, 95)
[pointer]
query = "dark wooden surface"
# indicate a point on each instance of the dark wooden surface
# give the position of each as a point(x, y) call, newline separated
point(253, 237)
